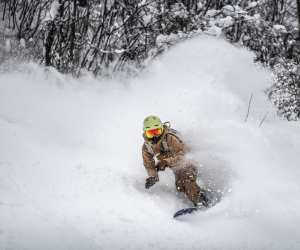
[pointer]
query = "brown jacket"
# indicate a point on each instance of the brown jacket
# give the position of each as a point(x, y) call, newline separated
point(169, 148)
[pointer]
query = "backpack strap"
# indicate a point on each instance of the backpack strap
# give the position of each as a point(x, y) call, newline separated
point(164, 143)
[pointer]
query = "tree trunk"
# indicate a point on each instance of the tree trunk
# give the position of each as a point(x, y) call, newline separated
point(298, 10)
point(49, 42)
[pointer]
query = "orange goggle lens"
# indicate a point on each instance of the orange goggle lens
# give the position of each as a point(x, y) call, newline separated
point(153, 132)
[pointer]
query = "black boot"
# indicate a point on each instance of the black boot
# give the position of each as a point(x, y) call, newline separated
point(204, 199)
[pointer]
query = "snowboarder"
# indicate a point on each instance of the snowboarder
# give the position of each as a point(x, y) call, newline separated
point(163, 148)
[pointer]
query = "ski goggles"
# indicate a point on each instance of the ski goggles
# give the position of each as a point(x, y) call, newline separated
point(153, 132)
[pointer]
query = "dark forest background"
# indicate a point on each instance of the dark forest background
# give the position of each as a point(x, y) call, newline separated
point(75, 36)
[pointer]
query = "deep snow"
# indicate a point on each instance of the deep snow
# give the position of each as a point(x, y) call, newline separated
point(71, 174)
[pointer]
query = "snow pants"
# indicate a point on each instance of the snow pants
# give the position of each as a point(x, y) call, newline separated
point(185, 180)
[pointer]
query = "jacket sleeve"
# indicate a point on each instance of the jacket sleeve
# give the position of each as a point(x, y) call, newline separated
point(149, 162)
point(176, 150)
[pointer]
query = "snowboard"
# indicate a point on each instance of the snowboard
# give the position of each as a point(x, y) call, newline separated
point(213, 198)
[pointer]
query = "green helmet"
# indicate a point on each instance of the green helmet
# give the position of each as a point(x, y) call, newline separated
point(152, 122)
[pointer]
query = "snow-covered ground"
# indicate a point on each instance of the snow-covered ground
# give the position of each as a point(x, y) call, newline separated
point(71, 174)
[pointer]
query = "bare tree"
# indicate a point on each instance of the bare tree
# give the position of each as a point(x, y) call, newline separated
point(298, 15)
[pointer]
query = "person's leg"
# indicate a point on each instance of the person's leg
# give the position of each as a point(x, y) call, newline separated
point(186, 183)
point(192, 191)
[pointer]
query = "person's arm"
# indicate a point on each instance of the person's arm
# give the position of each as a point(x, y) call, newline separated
point(149, 162)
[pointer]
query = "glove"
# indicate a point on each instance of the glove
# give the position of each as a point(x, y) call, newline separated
point(150, 181)
point(161, 165)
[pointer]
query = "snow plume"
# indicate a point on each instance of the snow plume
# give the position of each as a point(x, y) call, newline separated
point(71, 174)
